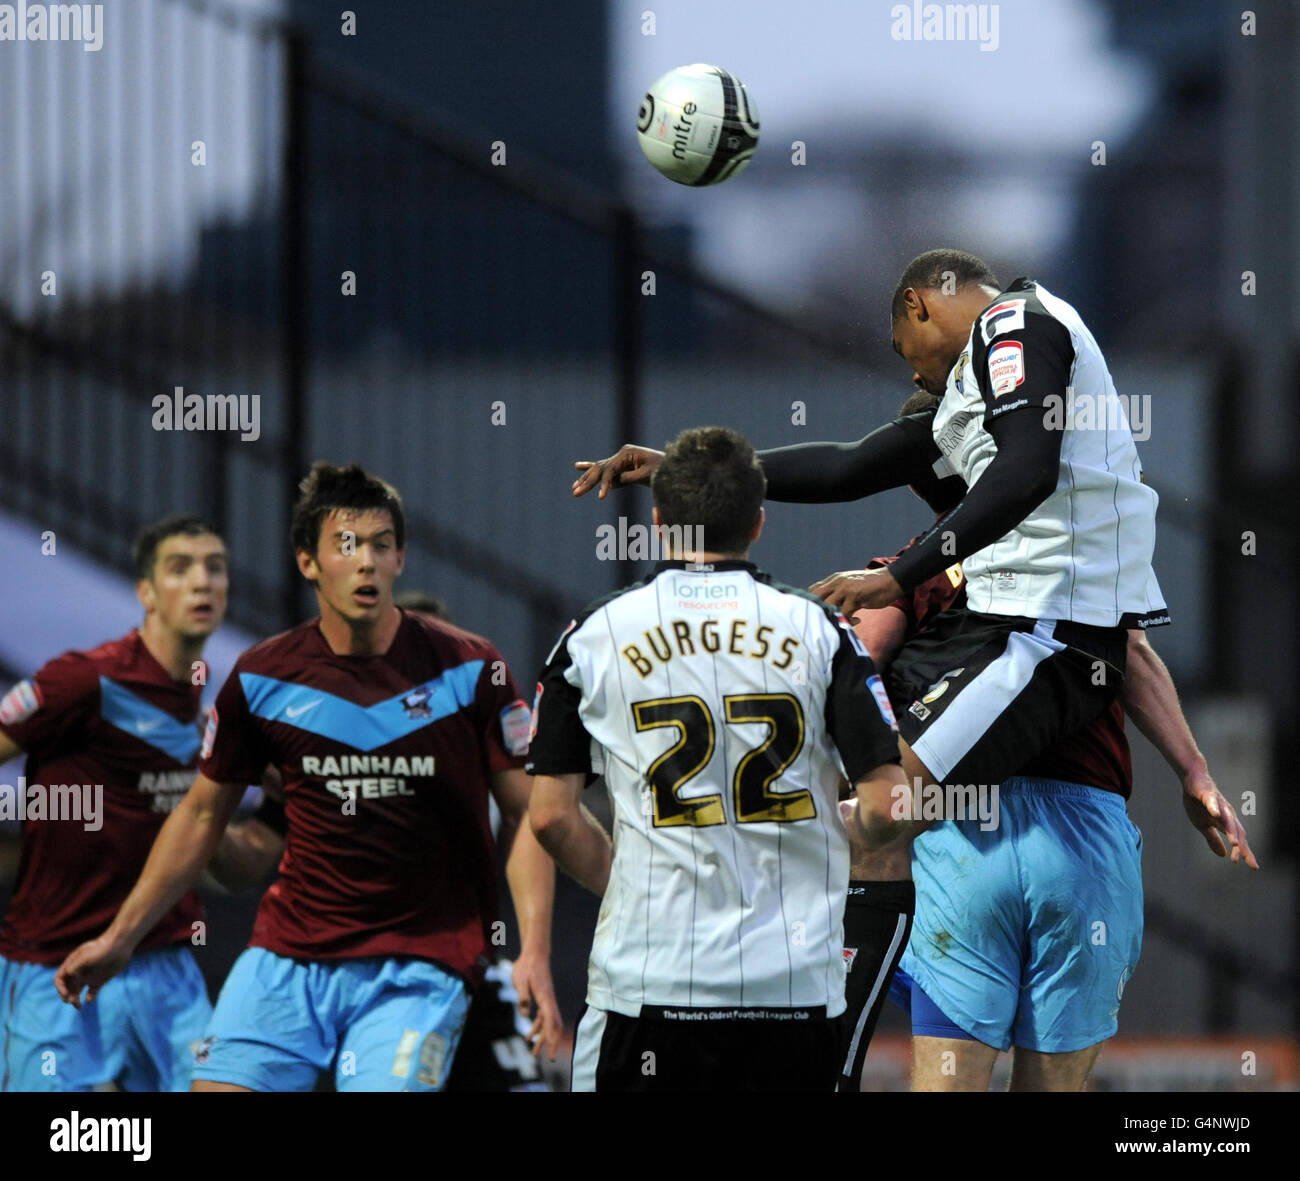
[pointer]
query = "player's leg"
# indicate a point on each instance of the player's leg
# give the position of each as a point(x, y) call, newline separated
point(47, 1044)
point(951, 1064)
point(168, 1011)
point(274, 1028)
point(965, 953)
point(1035, 1071)
point(1081, 861)
point(402, 1023)
point(877, 923)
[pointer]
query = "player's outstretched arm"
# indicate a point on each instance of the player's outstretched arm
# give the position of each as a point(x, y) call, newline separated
point(1151, 700)
point(630, 464)
point(182, 848)
point(531, 876)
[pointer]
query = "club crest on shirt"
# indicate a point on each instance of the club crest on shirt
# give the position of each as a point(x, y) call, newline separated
point(959, 372)
point(850, 954)
point(416, 703)
point(23, 700)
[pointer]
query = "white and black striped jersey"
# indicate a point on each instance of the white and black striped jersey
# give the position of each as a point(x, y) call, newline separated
point(1084, 554)
point(726, 707)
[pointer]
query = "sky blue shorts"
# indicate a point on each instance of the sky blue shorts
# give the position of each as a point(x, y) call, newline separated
point(1026, 934)
point(379, 1024)
point(140, 1031)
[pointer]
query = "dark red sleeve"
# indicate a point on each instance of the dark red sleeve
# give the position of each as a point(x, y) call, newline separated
point(54, 705)
point(234, 748)
point(506, 717)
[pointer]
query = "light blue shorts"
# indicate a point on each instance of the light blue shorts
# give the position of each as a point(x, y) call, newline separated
point(1026, 934)
point(380, 1024)
point(139, 1032)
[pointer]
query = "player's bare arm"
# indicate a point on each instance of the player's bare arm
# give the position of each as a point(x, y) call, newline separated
point(880, 813)
point(184, 845)
point(531, 876)
point(630, 464)
point(1151, 700)
point(570, 833)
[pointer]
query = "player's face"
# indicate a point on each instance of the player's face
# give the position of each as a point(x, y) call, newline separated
point(189, 585)
point(356, 563)
point(928, 342)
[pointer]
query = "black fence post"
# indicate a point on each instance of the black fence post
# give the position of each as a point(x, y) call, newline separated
point(294, 261)
point(628, 344)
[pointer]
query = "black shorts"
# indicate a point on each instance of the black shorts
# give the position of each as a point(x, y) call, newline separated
point(707, 1050)
point(978, 696)
point(493, 1054)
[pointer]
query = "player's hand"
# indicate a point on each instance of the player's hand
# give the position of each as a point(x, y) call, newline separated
point(532, 981)
point(630, 464)
point(857, 590)
point(1211, 815)
point(90, 966)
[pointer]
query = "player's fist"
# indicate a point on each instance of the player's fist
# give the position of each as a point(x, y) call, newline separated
point(630, 464)
point(858, 590)
point(90, 966)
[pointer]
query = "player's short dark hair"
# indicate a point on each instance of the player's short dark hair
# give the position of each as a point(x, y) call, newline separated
point(145, 551)
point(929, 271)
point(329, 486)
point(918, 402)
point(424, 603)
point(710, 479)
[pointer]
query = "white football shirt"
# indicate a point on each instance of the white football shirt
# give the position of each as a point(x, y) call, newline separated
point(726, 707)
point(1084, 554)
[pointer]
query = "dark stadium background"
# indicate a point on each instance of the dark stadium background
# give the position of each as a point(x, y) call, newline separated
point(515, 292)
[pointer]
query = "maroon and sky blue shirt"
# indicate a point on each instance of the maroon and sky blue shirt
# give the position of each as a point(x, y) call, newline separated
point(386, 762)
point(111, 717)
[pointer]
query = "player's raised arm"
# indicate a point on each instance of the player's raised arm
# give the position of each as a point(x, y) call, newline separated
point(182, 848)
point(630, 464)
point(899, 453)
point(1151, 700)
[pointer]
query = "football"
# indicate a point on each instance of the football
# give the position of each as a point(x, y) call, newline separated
point(698, 125)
